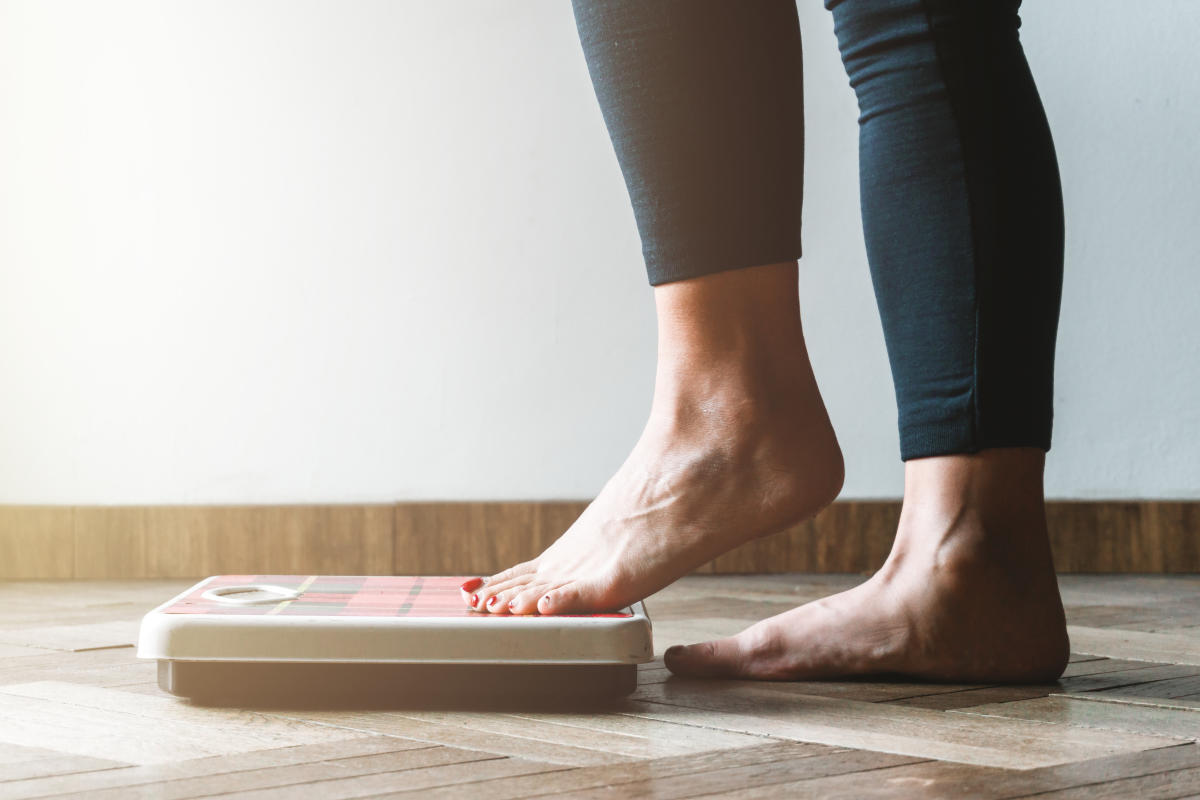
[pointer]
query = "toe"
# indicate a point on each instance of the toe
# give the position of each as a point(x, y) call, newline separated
point(720, 658)
point(490, 594)
point(753, 653)
point(525, 601)
point(469, 590)
point(497, 600)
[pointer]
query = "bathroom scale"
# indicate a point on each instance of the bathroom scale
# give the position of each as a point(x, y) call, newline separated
point(381, 640)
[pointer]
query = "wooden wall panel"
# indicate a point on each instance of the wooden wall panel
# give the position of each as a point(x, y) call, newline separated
point(36, 542)
point(1176, 527)
point(845, 537)
point(469, 538)
point(1102, 537)
point(432, 538)
point(186, 541)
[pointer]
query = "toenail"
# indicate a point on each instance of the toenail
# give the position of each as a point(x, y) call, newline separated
point(472, 584)
point(511, 603)
point(474, 599)
point(491, 601)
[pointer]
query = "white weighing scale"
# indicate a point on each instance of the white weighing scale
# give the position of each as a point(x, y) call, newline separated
point(381, 640)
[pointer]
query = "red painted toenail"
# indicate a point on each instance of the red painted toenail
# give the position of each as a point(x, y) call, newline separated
point(491, 601)
point(511, 603)
point(472, 584)
point(474, 599)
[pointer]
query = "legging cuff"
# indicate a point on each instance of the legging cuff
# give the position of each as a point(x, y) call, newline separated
point(959, 437)
point(664, 268)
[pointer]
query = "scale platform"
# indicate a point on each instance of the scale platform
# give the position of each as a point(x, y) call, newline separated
point(381, 641)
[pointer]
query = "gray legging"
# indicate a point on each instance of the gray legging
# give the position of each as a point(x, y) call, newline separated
point(961, 203)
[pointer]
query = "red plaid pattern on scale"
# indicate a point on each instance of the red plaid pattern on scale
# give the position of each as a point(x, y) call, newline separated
point(346, 596)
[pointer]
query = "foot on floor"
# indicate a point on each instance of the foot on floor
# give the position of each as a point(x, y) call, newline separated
point(968, 594)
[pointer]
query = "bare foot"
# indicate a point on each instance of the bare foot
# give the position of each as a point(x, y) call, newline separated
point(738, 445)
point(968, 593)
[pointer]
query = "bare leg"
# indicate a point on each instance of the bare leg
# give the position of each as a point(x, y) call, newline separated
point(968, 592)
point(738, 445)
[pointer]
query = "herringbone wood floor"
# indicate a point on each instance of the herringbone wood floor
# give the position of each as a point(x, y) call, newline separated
point(80, 716)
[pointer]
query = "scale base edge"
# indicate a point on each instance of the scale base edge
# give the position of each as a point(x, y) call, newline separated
point(374, 685)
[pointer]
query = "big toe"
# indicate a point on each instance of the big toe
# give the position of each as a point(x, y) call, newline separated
point(759, 652)
point(576, 597)
point(719, 658)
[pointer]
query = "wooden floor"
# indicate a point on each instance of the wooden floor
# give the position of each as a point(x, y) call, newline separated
point(80, 716)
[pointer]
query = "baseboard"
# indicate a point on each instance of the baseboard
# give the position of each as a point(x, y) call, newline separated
point(479, 537)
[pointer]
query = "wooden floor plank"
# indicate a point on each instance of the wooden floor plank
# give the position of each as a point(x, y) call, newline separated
point(894, 729)
point(465, 736)
point(1191, 703)
point(128, 779)
point(69, 666)
point(617, 777)
point(1160, 616)
point(87, 597)
point(462, 775)
point(1095, 665)
point(1164, 785)
point(655, 673)
point(1126, 678)
point(295, 779)
point(1135, 644)
point(751, 780)
point(630, 739)
point(56, 765)
point(1115, 589)
point(140, 729)
point(93, 636)
point(944, 701)
point(1065, 710)
point(945, 696)
point(14, 650)
point(870, 691)
point(942, 780)
point(1085, 677)
point(18, 762)
point(659, 739)
point(1173, 688)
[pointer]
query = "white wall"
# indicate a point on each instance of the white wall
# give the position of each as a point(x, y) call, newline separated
point(280, 251)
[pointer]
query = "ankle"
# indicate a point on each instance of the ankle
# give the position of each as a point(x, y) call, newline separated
point(973, 512)
point(733, 336)
point(996, 486)
point(733, 374)
point(735, 396)
point(744, 379)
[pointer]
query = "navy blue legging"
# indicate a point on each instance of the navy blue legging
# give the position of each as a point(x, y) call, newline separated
point(961, 202)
